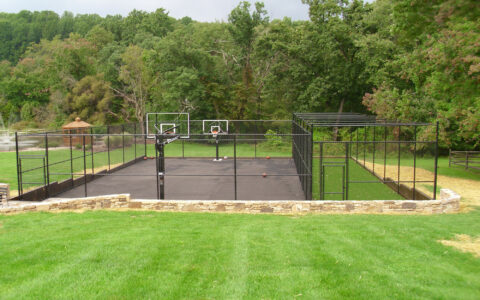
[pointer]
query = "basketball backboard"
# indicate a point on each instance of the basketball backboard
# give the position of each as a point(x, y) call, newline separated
point(215, 127)
point(177, 124)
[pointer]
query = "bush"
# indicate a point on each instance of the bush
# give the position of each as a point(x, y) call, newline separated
point(273, 140)
point(117, 141)
point(51, 144)
point(27, 113)
point(80, 147)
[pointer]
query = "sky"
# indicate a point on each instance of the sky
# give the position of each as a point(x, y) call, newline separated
point(200, 10)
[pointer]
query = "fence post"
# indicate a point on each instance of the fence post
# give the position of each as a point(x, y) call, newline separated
point(346, 169)
point(108, 146)
point(320, 182)
point(123, 144)
point(18, 166)
point(135, 139)
point(71, 159)
point(384, 152)
point(156, 167)
point(145, 141)
point(414, 162)
point(310, 156)
point(356, 155)
point(91, 150)
point(47, 194)
point(399, 152)
point(293, 137)
point(235, 164)
point(374, 147)
point(449, 157)
point(44, 176)
point(466, 160)
point(84, 166)
point(255, 137)
point(21, 178)
point(364, 145)
point(436, 165)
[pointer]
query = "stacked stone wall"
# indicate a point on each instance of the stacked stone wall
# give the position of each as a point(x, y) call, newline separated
point(449, 202)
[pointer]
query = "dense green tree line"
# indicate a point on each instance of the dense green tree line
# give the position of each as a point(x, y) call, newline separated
point(409, 60)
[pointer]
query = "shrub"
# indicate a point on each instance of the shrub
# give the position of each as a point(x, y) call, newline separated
point(80, 147)
point(273, 140)
point(117, 141)
point(51, 144)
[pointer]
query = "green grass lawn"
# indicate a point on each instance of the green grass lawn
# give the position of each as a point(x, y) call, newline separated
point(8, 169)
point(149, 255)
point(356, 191)
point(193, 149)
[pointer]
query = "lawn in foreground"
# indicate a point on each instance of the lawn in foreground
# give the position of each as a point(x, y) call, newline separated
point(133, 255)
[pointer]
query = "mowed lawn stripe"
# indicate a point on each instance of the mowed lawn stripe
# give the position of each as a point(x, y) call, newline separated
point(197, 256)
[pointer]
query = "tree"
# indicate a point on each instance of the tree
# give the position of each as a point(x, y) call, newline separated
point(136, 82)
point(242, 28)
point(437, 69)
point(339, 83)
point(99, 37)
point(91, 100)
point(281, 73)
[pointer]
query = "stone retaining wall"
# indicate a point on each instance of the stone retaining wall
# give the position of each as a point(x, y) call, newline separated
point(449, 202)
point(4, 193)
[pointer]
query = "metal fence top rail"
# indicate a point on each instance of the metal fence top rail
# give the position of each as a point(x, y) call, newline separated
point(463, 151)
point(349, 120)
point(143, 135)
point(326, 116)
point(366, 124)
point(29, 132)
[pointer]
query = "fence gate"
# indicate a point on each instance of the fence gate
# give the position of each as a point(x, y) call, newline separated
point(333, 176)
point(333, 170)
point(32, 172)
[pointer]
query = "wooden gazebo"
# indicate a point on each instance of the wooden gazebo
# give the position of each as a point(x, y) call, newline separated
point(76, 127)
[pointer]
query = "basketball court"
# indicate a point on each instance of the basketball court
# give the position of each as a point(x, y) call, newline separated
point(216, 177)
point(201, 179)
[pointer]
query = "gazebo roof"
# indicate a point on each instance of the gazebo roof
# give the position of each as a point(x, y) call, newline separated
point(77, 124)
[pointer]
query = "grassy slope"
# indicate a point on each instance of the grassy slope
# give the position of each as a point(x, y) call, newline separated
point(443, 168)
point(133, 255)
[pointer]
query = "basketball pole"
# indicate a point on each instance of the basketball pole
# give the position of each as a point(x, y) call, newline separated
point(216, 135)
point(161, 164)
point(216, 142)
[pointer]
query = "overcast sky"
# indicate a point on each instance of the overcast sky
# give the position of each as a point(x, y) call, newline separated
point(200, 10)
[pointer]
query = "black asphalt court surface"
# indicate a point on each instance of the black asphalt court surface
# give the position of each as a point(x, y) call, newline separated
point(201, 179)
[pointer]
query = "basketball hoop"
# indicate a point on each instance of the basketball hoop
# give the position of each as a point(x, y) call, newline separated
point(215, 128)
point(167, 124)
